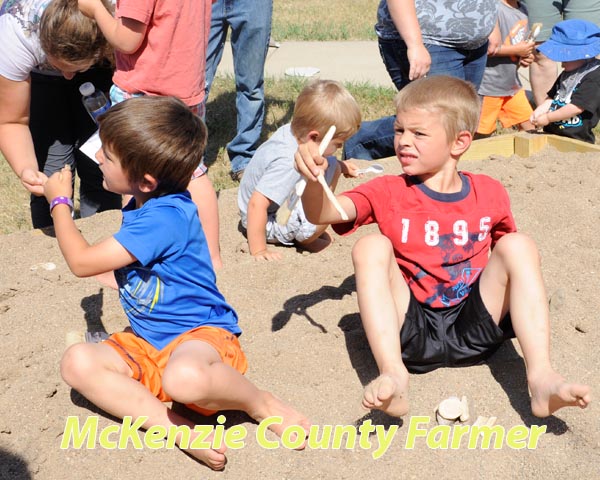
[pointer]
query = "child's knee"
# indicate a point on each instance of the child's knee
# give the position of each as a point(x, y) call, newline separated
point(517, 245)
point(371, 248)
point(185, 383)
point(76, 364)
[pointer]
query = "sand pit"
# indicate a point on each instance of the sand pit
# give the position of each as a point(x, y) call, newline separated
point(304, 341)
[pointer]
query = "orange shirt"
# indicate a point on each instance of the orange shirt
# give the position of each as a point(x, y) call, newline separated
point(172, 58)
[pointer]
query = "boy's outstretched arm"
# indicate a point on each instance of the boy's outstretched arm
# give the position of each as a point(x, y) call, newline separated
point(124, 34)
point(83, 259)
point(317, 207)
point(257, 224)
point(521, 49)
point(565, 112)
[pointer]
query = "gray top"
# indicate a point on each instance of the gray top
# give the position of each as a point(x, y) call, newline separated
point(500, 78)
point(449, 23)
point(271, 172)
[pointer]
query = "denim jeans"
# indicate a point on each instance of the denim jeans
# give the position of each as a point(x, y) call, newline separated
point(375, 139)
point(59, 125)
point(250, 23)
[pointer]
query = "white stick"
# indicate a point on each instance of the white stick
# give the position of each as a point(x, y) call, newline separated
point(322, 147)
point(326, 139)
point(301, 185)
point(331, 197)
point(283, 214)
point(534, 32)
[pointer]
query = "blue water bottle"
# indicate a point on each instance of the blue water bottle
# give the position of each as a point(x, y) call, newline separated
point(94, 101)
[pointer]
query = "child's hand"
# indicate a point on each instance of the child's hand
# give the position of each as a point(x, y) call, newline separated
point(349, 169)
point(59, 184)
point(267, 255)
point(88, 7)
point(540, 120)
point(308, 161)
point(526, 61)
point(524, 49)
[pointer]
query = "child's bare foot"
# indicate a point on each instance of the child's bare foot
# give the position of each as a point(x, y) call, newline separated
point(212, 457)
point(318, 244)
point(550, 391)
point(388, 393)
point(272, 406)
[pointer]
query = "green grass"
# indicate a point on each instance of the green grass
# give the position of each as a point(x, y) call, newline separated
point(318, 20)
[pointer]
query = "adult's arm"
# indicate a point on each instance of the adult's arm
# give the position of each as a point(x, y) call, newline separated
point(404, 16)
point(16, 143)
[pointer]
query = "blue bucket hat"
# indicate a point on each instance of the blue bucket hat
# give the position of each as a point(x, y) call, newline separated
point(572, 40)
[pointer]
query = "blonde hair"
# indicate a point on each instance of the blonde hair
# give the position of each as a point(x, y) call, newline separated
point(323, 103)
point(68, 35)
point(455, 101)
point(159, 136)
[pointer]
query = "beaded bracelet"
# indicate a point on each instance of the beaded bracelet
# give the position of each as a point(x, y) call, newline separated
point(61, 201)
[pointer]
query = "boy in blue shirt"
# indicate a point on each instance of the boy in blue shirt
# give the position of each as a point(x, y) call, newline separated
point(182, 345)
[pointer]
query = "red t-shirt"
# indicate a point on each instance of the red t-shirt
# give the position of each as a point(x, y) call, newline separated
point(172, 58)
point(441, 241)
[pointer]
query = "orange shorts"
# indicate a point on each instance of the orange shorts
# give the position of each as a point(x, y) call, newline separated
point(148, 364)
point(509, 110)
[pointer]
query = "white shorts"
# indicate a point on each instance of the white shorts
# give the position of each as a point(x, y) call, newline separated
point(298, 228)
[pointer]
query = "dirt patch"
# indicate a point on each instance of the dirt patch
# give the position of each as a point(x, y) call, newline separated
point(304, 341)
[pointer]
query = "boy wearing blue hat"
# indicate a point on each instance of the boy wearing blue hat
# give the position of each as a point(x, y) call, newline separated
point(572, 107)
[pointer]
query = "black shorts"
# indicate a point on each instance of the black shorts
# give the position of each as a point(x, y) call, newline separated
point(457, 336)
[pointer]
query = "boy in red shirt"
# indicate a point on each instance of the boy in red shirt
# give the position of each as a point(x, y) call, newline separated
point(430, 294)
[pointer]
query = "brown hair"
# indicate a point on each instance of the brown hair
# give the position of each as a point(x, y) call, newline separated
point(455, 101)
point(159, 136)
point(68, 35)
point(323, 103)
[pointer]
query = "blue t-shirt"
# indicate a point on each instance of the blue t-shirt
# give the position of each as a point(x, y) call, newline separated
point(172, 288)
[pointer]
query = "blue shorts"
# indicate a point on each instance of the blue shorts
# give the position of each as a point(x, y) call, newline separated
point(457, 336)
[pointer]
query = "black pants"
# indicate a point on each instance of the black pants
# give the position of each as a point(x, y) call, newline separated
point(457, 336)
point(59, 125)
